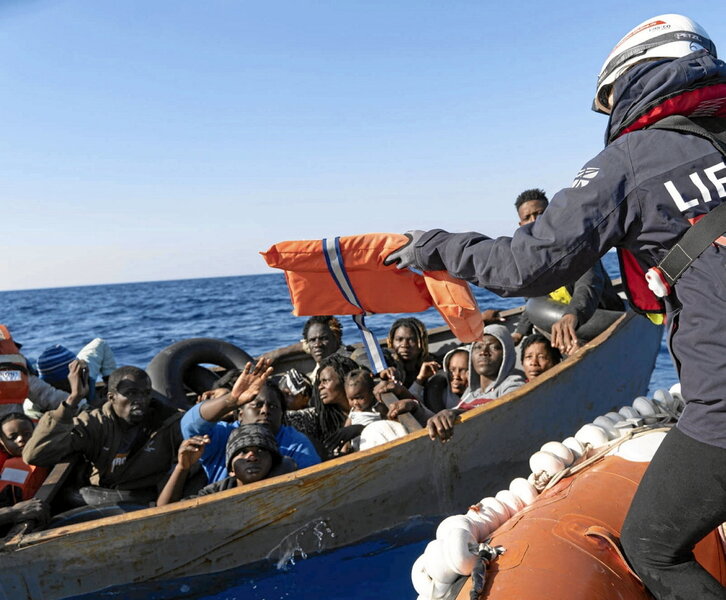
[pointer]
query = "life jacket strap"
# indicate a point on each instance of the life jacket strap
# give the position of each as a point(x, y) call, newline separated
point(336, 267)
point(708, 228)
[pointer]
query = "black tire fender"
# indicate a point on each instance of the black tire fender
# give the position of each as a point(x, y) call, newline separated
point(179, 363)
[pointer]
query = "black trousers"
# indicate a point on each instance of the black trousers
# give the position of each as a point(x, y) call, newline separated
point(681, 498)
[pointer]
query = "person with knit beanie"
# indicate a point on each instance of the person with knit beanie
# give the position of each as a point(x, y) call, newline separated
point(51, 386)
point(252, 455)
point(53, 365)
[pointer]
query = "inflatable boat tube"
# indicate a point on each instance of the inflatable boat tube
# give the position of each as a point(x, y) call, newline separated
point(179, 362)
point(544, 312)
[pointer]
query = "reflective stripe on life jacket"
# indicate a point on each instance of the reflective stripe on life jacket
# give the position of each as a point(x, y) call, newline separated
point(18, 474)
point(378, 288)
point(13, 370)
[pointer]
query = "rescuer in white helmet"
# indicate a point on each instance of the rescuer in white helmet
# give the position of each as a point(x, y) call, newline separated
point(663, 169)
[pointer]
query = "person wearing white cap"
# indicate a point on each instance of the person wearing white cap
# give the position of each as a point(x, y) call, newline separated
point(656, 194)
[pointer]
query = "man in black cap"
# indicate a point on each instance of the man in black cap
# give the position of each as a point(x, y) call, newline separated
point(252, 455)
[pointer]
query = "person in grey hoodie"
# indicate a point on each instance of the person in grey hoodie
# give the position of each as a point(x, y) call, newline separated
point(491, 375)
point(493, 360)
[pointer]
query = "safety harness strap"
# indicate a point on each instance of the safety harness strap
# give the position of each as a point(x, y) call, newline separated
point(336, 267)
point(713, 224)
point(699, 237)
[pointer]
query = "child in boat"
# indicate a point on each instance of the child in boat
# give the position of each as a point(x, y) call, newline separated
point(252, 454)
point(329, 409)
point(364, 409)
point(538, 355)
point(18, 481)
point(252, 398)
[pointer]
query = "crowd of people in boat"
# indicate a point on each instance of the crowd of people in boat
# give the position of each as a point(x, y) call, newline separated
point(133, 449)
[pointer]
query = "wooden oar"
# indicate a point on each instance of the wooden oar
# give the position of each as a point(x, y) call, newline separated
point(51, 486)
point(406, 419)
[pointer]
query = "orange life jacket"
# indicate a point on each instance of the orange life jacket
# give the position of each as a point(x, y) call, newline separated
point(13, 370)
point(379, 288)
point(18, 474)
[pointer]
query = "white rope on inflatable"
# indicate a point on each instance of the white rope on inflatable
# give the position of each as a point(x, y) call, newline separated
point(455, 551)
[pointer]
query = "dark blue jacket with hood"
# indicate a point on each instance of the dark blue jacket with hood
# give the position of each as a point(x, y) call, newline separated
point(636, 195)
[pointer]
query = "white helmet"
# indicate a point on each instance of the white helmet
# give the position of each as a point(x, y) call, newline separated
point(664, 36)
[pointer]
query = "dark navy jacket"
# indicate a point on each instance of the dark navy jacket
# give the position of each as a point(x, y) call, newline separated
point(637, 194)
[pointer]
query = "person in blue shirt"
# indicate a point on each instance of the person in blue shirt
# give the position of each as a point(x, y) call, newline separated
point(256, 400)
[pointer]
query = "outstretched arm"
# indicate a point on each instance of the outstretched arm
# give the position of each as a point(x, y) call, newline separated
point(580, 224)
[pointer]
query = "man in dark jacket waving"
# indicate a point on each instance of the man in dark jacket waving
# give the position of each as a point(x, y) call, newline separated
point(131, 441)
point(640, 195)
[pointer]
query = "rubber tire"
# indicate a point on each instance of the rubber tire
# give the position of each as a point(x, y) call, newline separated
point(168, 369)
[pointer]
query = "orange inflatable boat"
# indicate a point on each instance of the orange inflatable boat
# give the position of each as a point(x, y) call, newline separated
point(560, 544)
point(564, 545)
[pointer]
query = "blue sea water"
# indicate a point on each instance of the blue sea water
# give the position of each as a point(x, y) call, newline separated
point(253, 312)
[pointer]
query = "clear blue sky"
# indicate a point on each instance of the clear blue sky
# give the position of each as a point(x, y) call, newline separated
point(159, 139)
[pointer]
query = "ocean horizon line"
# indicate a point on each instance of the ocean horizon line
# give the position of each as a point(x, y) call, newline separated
point(119, 283)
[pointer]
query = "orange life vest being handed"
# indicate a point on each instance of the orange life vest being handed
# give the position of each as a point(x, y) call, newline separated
point(18, 474)
point(378, 288)
point(13, 370)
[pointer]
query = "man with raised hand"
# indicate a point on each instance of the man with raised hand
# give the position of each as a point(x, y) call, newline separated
point(254, 399)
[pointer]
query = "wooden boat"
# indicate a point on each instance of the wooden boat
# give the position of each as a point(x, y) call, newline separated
point(310, 510)
point(566, 543)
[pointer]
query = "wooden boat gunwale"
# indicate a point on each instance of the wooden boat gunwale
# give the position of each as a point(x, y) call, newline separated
point(196, 537)
point(330, 465)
